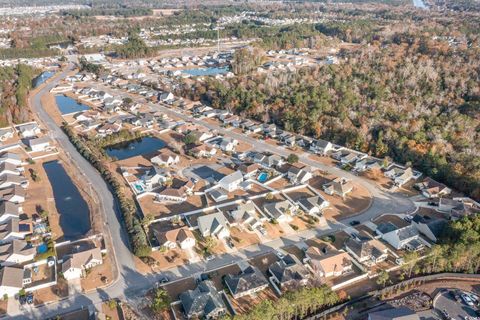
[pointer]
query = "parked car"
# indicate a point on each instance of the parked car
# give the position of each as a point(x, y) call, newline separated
point(164, 280)
point(230, 243)
point(467, 300)
point(29, 298)
point(354, 223)
point(209, 257)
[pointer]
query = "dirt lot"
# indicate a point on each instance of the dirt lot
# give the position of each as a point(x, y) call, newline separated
point(93, 280)
point(52, 293)
point(299, 194)
point(274, 231)
point(49, 104)
point(355, 202)
point(157, 210)
point(246, 303)
point(242, 239)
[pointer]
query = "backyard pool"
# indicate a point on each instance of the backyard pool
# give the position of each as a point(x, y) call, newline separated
point(134, 148)
point(210, 71)
point(42, 248)
point(68, 105)
point(262, 177)
point(139, 187)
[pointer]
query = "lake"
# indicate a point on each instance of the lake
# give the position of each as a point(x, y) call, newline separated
point(210, 71)
point(44, 76)
point(68, 105)
point(134, 148)
point(72, 208)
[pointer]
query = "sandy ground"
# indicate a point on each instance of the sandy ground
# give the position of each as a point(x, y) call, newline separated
point(48, 102)
point(52, 293)
point(111, 313)
point(94, 278)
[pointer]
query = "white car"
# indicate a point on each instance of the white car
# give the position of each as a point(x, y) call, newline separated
point(279, 254)
point(467, 300)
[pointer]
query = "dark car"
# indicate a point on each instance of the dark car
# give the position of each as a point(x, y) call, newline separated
point(354, 223)
point(29, 298)
point(164, 280)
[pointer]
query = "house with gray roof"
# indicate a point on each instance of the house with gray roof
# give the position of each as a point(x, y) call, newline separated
point(204, 302)
point(16, 252)
point(213, 224)
point(404, 238)
point(248, 282)
point(288, 273)
point(366, 250)
point(339, 186)
point(432, 228)
point(231, 182)
point(282, 211)
point(313, 205)
point(321, 147)
point(299, 175)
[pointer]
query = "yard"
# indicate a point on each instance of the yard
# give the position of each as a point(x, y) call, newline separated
point(54, 293)
point(98, 276)
point(166, 209)
point(242, 239)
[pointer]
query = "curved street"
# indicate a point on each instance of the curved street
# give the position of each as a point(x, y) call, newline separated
point(131, 284)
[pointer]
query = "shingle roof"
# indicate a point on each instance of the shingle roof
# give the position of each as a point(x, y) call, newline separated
point(248, 279)
point(11, 277)
point(202, 301)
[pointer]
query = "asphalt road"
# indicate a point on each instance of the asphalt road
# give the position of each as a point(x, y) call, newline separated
point(131, 284)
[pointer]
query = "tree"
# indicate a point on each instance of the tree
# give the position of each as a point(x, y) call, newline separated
point(190, 139)
point(161, 300)
point(292, 158)
point(383, 278)
point(410, 260)
point(209, 244)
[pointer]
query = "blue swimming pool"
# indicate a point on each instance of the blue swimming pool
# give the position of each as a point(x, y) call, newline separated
point(42, 248)
point(262, 177)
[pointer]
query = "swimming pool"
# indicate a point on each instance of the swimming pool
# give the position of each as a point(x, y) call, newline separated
point(42, 248)
point(262, 177)
point(139, 187)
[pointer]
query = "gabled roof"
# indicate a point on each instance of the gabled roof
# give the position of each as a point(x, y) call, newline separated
point(9, 208)
point(80, 259)
point(311, 202)
point(277, 209)
point(248, 279)
point(11, 277)
point(436, 226)
point(211, 221)
point(16, 247)
point(287, 270)
point(175, 235)
point(231, 178)
point(331, 260)
point(203, 300)
point(7, 193)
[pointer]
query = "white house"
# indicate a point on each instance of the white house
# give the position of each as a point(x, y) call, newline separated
point(231, 182)
point(11, 158)
point(321, 146)
point(281, 211)
point(39, 144)
point(182, 237)
point(366, 250)
point(28, 130)
point(299, 175)
point(400, 176)
point(313, 205)
point(402, 238)
point(213, 224)
point(165, 158)
point(16, 252)
point(75, 266)
point(328, 262)
point(339, 186)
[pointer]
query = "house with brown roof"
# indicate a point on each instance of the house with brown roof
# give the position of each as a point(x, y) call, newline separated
point(248, 282)
point(14, 194)
point(165, 158)
point(432, 189)
point(328, 262)
point(249, 170)
point(11, 281)
point(16, 252)
point(9, 210)
point(182, 237)
point(74, 267)
point(14, 229)
point(288, 273)
point(366, 250)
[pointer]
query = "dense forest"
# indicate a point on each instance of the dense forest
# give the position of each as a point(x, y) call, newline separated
point(15, 82)
point(408, 97)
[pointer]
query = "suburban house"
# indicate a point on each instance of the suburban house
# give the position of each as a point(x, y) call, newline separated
point(11, 281)
point(181, 237)
point(281, 211)
point(313, 205)
point(166, 97)
point(203, 303)
point(400, 238)
point(201, 135)
point(14, 194)
point(328, 262)
point(5, 134)
point(39, 144)
point(366, 250)
point(432, 189)
point(8, 168)
point(8, 180)
point(459, 207)
point(272, 161)
point(88, 115)
point(172, 195)
point(231, 182)
point(321, 147)
point(245, 215)
point(401, 313)
point(228, 145)
point(213, 224)
point(366, 164)
point(289, 273)
point(16, 252)
point(248, 282)
point(9, 210)
point(75, 266)
point(12, 158)
point(339, 186)
point(399, 175)
point(432, 228)
point(165, 158)
point(203, 151)
point(14, 229)
point(249, 170)
point(298, 175)
point(109, 128)
point(28, 130)
point(155, 177)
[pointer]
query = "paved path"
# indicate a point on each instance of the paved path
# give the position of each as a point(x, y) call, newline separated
point(130, 283)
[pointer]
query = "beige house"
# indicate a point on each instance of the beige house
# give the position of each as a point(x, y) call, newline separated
point(74, 267)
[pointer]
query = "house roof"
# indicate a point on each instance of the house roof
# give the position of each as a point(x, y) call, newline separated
point(4, 166)
point(287, 270)
point(248, 279)
point(277, 209)
point(231, 178)
point(211, 221)
point(175, 235)
point(9, 208)
point(406, 232)
point(203, 300)
point(79, 259)
point(311, 202)
point(243, 211)
point(10, 155)
point(331, 260)
point(39, 141)
point(16, 246)
point(11, 277)
point(12, 191)
point(13, 178)
point(402, 313)
point(436, 226)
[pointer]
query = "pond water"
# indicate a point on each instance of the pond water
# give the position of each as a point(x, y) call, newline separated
point(72, 208)
point(68, 105)
point(210, 71)
point(44, 76)
point(134, 148)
